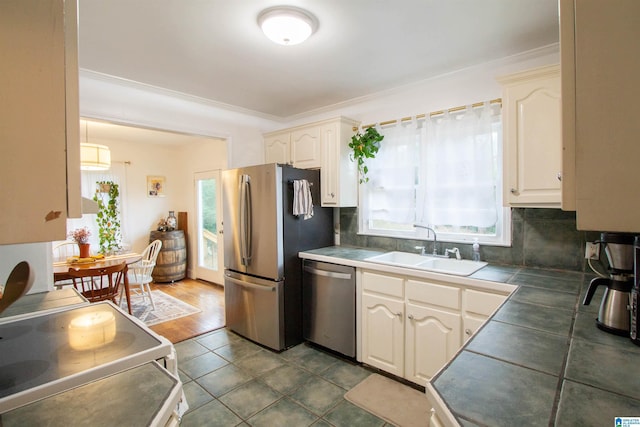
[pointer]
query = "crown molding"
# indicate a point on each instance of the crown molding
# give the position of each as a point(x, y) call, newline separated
point(135, 85)
point(504, 61)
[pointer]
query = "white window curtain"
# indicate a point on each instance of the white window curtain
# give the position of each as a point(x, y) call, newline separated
point(444, 172)
point(460, 162)
point(118, 174)
point(390, 195)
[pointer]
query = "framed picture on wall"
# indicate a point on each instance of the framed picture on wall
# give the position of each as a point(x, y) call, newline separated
point(155, 186)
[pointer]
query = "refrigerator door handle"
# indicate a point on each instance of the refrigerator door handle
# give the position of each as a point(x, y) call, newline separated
point(251, 285)
point(245, 219)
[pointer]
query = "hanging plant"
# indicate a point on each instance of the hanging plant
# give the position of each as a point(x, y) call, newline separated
point(365, 146)
point(108, 218)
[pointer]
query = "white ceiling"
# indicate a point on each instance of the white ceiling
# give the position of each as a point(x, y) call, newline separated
point(214, 49)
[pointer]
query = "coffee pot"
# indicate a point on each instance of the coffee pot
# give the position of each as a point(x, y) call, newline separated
point(614, 315)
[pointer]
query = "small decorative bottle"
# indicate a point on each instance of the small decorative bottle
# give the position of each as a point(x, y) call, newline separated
point(172, 221)
point(476, 250)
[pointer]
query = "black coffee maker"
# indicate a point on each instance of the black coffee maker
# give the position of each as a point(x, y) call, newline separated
point(635, 296)
point(614, 315)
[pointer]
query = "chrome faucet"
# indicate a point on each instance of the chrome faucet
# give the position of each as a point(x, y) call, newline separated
point(435, 238)
point(454, 251)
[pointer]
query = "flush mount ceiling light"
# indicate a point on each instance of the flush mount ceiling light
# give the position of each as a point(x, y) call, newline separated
point(94, 157)
point(287, 25)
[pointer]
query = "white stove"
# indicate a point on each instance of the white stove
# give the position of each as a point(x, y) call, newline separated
point(53, 352)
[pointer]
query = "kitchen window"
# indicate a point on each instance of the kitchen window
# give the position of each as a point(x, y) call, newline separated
point(444, 172)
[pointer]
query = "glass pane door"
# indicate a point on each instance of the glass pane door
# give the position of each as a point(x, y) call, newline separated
point(210, 265)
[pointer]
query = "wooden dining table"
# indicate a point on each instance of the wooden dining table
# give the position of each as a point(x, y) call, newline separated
point(61, 269)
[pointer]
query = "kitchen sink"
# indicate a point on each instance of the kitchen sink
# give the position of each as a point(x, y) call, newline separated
point(457, 267)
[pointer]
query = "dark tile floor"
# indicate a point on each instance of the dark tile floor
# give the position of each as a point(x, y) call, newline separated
point(231, 381)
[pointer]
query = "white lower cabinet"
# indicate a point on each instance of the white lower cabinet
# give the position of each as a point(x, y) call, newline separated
point(478, 307)
point(383, 333)
point(411, 327)
point(432, 339)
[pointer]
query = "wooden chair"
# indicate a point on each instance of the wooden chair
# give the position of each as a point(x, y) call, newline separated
point(140, 272)
point(99, 284)
point(18, 283)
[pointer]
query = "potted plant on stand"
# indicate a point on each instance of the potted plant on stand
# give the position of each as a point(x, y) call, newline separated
point(81, 237)
point(108, 216)
point(365, 145)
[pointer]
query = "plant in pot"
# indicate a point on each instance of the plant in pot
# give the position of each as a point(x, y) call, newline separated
point(108, 216)
point(81, 237)
point(365, 146)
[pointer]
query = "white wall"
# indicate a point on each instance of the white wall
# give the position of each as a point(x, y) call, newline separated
point(177, 163)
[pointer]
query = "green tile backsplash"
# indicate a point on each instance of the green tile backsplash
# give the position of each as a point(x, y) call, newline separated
point(544, 238)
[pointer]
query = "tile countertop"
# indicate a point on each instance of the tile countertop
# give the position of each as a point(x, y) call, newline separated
point(540, 360)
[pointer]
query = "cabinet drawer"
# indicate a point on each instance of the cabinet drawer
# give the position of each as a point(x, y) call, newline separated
point(431, 293)
point(482, 302)
point(382, 284)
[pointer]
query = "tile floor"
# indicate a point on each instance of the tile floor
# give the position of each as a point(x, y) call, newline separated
point(231, 381)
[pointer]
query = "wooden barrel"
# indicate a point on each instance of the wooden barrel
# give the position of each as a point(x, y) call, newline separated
point(171, 264)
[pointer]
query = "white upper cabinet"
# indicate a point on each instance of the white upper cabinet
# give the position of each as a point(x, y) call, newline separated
point(305, 148)
point(601, 109)
point(299, 147)
point(277, 148)
point(321, 145)
point(339, 175)
point(532, 138)
point(39, 120)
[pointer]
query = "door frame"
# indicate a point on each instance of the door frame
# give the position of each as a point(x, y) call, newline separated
point(215, 276)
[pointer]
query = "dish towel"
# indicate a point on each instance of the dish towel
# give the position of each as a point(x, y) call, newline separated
point(302, 203)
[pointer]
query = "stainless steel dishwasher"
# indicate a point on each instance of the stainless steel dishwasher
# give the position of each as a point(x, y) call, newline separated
point(329, 306)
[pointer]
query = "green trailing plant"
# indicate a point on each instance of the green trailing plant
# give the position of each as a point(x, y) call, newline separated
point(108, 216)
point(365, 146)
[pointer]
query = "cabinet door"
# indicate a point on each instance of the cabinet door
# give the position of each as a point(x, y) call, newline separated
point(604, 118)
point(339, 174)
point(471, 325)
point(533, 138)
point(277, 149)
point(383, 333)
point(432, 339)
point(305, 148)
point(330, 173)
point(33, 120)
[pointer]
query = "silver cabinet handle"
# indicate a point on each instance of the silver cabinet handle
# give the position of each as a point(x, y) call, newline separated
point(468, 331)
point(399, 314)
point(514, 191)
point(410, 317)
point(333, 195)
point(559, 176)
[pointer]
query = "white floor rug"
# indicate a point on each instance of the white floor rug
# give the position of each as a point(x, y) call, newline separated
point(167, 308)
point(392, 401)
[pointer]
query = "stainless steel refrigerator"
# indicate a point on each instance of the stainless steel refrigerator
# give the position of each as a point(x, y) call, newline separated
point(262, 238)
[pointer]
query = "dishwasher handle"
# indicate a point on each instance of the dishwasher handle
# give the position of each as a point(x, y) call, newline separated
point(325, 273)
